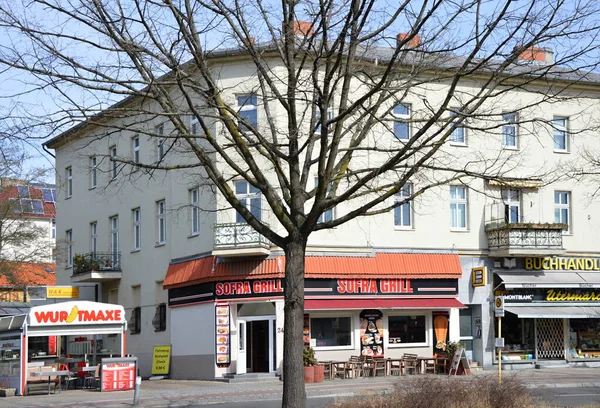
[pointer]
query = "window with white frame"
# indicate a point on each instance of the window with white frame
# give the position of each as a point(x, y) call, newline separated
point(562, 208)
point(317, 124)
point(194, 211)
point(69, 178)
point(509, 130)
point(327, 215)
point(69, 240)
point(53, 229)
point(114, 240)
point(407, 329)
point(458, 135)
point(93, 237)
point(136, 219)
point(135, 151)
point(561, 136)
point(458, 208)
point(195, 129)
point(161, 222)
point(250, 197)
point(93, 171)
point(114, 166)
point(512, 205)
point(248, 111)
point(403, 213)
point(160, 143)
point(331, 331)
point(402, 114)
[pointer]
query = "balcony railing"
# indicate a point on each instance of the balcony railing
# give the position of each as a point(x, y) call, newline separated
point(239, 239)
point(520, 239)
point(97, 266)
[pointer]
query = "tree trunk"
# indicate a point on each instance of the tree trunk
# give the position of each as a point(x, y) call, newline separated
point(294, 394)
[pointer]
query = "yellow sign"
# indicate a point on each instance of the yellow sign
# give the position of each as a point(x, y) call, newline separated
point(62, 292)
point(478, 276)
point(161, 360)
point(573, 264)
point(563, 296)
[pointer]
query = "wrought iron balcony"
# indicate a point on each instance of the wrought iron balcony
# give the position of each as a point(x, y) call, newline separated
point(96, 267)
point(239, 239)
point(521, 239)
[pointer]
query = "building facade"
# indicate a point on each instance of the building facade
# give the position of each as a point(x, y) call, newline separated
point(191, 274)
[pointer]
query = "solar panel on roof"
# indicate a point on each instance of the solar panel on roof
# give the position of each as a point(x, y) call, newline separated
point(26, 205)
point(48, 194)
point(23, 191)
point(38, 207)
point(15, 205)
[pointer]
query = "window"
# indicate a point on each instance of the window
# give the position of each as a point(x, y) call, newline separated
point(114, 241)
point(135, 148)
point(401, 125)
point(560, 126)
point(23, 191)
point(317, 125)
point(403, 213)
point(93, 171)
point(53, 229)
point(195, 129)
point(161, 222)
point(562, 208)
point(69, 239)
point(114, 164)
point(248, 111)
point(327, 214)
point(458, 131)
point(407, 329)
point(458, 208)
point(160, 318)
point(160, 143)
point(331, 331)
point(195, 211)
point(69, 178)
point(509, 130)
point(93, 237)
point(512, 205)
point(135, 322)
point(49, 195)
point(136, 219)
point(250, 198)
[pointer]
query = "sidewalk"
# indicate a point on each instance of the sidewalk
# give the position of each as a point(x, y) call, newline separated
point(173, 393)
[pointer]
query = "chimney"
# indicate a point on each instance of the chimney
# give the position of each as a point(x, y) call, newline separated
point(414, 42)
point(535, 54)
point(302, 28)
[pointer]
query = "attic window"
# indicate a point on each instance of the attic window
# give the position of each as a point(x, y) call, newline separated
point(23, 191)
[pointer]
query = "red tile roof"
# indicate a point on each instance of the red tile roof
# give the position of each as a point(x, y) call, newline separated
point(382, 265)
point(35, 193)
point(27, 274)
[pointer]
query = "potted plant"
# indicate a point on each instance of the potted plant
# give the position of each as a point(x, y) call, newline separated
point(310, 361)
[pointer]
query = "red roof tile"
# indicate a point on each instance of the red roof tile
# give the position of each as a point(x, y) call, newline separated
point(27, 274)
point(388, 265)
point(35, 193)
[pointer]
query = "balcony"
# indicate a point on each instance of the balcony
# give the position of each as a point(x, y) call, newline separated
point(96, 267)
point(523, 240)
point(239, 239)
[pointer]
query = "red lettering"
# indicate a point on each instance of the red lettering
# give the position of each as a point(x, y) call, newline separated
point(264, 287)
point(219, 289)
point(42, 317)
point(247, 290)
point(341, 286)
point(117, 315)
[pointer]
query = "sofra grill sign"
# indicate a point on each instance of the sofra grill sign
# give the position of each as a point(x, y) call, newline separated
point(68, 313)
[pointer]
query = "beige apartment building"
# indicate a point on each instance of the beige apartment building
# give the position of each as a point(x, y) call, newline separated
point(191, 275)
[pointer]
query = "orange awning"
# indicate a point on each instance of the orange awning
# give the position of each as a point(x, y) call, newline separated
point(382, 265)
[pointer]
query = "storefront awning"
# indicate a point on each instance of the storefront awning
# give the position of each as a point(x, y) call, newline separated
point(549, 279)
point(331, 304)
point(555, 312)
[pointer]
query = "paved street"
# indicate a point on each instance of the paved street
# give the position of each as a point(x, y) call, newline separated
point(566, 386)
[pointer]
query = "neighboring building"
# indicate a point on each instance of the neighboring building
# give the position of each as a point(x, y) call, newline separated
point(190, 274)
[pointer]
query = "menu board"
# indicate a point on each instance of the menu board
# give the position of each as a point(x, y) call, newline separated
point(371, 333)
point(306, 331)
point(118, 374)
point(222, 335)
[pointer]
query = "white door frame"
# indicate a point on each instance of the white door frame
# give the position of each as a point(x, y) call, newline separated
point(242, 349)
point(271, 319)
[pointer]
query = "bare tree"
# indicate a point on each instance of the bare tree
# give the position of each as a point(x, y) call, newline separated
point(327, 87)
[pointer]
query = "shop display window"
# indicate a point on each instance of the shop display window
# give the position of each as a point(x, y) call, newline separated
point(584, 338)
point(519, 338)
point(331, 331)
point(407, 329)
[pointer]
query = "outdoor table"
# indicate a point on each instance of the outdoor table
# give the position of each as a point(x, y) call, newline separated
point(338, 366)
point(395, 363)
point(422, 361)
point(328, 367)
point(49, 374)
point(86, 369)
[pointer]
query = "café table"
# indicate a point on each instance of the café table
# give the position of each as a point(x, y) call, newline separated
point(395, 364)
point(422, 363)
point(86, 369)
point(50, 374)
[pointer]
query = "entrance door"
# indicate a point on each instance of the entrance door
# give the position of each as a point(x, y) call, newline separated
point(258, 333)
point(242, 347)
point(550, 339)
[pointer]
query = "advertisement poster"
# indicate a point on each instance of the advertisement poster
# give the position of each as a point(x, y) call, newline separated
point(222, 335)
point(306, 331)
point(371, 333)
point(440, 330)
point(118, 374)
point(161, 359)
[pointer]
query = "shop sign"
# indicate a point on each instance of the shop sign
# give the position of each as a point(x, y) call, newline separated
point(81, 313)
point(248, 288)
point(384, 286)
point(499, 306)
point(118, 374)
point(580, 264)
point(478, 276)
point(566, 296)
point(62, 292)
